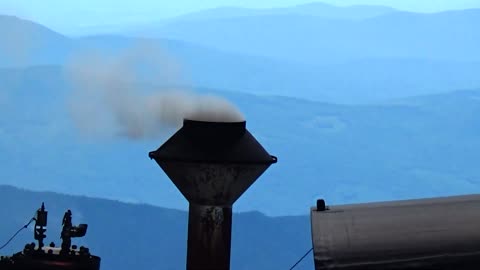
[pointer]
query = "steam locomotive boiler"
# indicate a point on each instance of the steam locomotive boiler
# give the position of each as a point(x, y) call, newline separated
point(436, 233)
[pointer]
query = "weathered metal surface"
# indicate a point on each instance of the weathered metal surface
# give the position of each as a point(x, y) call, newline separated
point(440, 233)
point(212, 184)
point(209, 231)
point(212, 164)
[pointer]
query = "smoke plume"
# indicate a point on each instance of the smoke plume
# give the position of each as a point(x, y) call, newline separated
point(111, 94)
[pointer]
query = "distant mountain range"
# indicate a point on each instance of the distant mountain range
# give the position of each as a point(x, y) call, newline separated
point(408, 148)
point(345, 153)
point(26, 43)
point(318, 9)
point(355, 81)
point(129, 236)
point(312, 39)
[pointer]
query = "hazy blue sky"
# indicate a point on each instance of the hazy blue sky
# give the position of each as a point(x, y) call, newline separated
point(63, 13)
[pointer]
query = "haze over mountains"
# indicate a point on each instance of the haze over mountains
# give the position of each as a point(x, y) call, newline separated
point(311, 9)
point(288, 70)
point(320, 40)
point(152, 19)
point(341, 153)
point(393, 55)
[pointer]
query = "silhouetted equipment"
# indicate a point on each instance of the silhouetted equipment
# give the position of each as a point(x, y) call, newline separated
point(39, 257)
point(440, 234)
point(40, 224)
point(69, 231)
point(212, 164)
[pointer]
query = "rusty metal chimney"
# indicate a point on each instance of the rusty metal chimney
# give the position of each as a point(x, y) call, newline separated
point(212, 164)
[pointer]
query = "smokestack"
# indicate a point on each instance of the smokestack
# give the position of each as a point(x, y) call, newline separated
point(212, 164)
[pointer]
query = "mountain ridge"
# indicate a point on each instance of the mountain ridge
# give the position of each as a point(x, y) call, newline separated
point(309, 39)
point(29, 43)
point(319, 9)
point(212, 68)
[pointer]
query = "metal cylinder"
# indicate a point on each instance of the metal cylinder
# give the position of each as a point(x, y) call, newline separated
point(440, 233)
point(209, 237)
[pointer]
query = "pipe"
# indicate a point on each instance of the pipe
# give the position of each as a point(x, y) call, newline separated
point(209, 237)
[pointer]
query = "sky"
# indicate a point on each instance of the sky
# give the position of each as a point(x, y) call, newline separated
point(80, 13)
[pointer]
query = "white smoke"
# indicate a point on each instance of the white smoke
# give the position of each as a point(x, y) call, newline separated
point(108, 97)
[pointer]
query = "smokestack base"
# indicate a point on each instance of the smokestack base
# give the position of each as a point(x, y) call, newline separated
point(209, 237)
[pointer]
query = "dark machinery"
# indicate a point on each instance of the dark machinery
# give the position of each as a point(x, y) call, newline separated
point(39, 257)
point(212, 164)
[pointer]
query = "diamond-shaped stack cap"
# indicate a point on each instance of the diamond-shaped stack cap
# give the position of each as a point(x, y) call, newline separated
point(212, 163)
